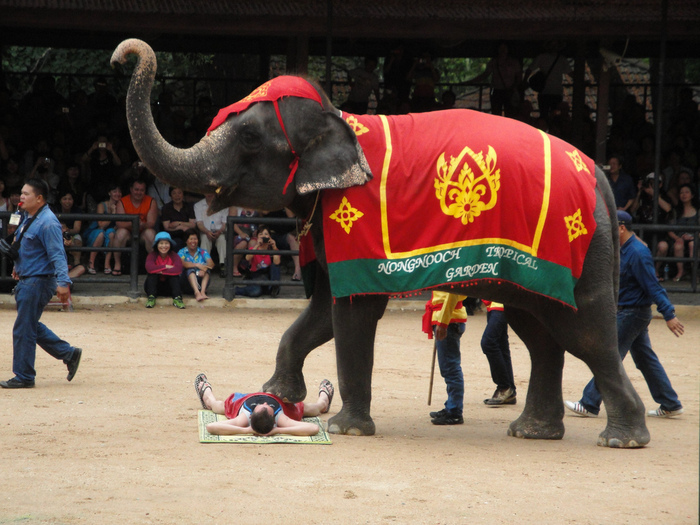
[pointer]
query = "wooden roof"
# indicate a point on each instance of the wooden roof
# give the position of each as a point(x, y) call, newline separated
point(453, 25)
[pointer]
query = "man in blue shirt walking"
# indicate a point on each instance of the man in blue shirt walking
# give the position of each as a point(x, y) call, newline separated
point(639, 287)
point(42, 270)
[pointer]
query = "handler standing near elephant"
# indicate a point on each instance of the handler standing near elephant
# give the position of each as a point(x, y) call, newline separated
point(639, 287)
point(42, 270)
point(446, 317)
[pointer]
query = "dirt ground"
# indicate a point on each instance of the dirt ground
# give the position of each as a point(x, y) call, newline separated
point(119, 444)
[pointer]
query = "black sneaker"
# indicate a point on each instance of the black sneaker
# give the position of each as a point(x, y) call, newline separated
point(74, 362)
point(439, 413)
point(16, 382)
point(448, 418)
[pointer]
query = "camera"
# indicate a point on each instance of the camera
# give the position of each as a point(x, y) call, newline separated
point(102, 145)
point(47, 160)
point(67, 236)
point(10, 251)
point(66, 110)
point(265, 240)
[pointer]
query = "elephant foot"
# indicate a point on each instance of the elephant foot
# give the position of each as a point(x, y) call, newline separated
point(288, 387)
point(342, 423)
point(531, 428)
point(624, 438)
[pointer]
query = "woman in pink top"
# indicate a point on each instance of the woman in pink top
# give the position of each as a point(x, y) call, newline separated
point(164, 267)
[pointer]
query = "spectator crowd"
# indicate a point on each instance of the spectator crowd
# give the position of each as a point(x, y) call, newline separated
point(80, 145)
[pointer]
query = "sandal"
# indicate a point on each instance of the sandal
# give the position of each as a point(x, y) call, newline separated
point(326, 387)
point(296, 277)
point(108, 271)
point(116, 272)
point(91, 270)
point(200, 385)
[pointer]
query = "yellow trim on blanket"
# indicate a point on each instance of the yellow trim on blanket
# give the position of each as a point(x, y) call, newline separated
point(382, 187)
point(531, 250)
point(547, 150)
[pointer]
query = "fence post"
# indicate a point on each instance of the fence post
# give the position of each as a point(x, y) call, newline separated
point(229, 288)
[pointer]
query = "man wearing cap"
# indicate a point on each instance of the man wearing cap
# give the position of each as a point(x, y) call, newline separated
point(42, 270)
point(638, 289)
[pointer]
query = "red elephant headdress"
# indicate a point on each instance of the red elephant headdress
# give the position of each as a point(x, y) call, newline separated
point(272, 91)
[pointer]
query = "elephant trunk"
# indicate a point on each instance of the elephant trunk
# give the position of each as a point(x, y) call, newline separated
point(184, 168)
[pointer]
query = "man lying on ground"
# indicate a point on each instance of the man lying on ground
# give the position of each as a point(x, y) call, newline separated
point(261, 413)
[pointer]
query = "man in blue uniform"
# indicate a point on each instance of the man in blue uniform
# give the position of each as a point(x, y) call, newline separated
point(639, 287)
point(42, 270)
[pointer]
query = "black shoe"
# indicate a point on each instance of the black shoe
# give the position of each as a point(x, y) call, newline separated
point(448, 418)
point(222, 271)
point(74, 362)
point(15, 382)
point(439, 413)
point(502, 397)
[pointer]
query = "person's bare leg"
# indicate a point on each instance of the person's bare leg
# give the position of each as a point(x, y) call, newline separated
point(212, 403)
point(192, 278)
point(678, 249)
point(317, 408)
point(147, 237)
point(120, 241)
point(205, 285)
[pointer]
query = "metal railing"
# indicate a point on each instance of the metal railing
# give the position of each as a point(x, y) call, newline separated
point(134, 249)
point(230, 284)
point(693, 258)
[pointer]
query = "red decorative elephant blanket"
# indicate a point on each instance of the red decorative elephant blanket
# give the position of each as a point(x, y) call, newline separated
point(459, 196)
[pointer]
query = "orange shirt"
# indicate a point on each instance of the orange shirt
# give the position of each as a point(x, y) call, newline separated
point(141, 211)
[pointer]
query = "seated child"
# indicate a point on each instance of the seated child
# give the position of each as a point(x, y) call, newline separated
point(164, 268)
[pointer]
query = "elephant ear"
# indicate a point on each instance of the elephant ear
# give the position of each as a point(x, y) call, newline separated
point(332, 159)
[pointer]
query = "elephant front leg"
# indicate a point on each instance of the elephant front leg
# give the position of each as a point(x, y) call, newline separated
point(310, 330)
point(355, 326)
point(543, 415)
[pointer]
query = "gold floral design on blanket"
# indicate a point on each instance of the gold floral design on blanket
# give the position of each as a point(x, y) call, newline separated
point(471, 193)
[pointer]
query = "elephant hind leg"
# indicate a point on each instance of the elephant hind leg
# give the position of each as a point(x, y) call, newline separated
point(543, 415)
point(626, 425)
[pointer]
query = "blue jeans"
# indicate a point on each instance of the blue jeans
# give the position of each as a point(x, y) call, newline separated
point(32, 295)
point(494, 344)
point(450, 362)
point(633, 337)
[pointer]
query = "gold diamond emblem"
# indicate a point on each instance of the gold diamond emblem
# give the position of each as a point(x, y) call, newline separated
point(575, 157)
point(346, 215)
point(574, 224)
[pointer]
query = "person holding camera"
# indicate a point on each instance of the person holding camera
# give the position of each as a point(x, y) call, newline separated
point(44, 169)
point(42, 270)
point(261, 266)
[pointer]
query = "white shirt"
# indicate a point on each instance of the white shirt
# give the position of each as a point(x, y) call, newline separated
point(211, 222)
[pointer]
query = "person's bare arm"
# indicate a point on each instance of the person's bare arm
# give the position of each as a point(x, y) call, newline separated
point(231, 427)
point(151, 216)
point(287, 425)
point(122, 224)
point(675, 326)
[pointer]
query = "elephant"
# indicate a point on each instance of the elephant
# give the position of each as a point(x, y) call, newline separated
point(286, 145)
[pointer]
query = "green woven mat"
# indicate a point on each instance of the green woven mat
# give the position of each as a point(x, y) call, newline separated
point(207, 416)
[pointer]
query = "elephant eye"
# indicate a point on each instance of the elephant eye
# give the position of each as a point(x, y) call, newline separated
point(250, 138)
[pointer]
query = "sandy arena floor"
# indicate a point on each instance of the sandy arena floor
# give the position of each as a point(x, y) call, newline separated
point(119, 444)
